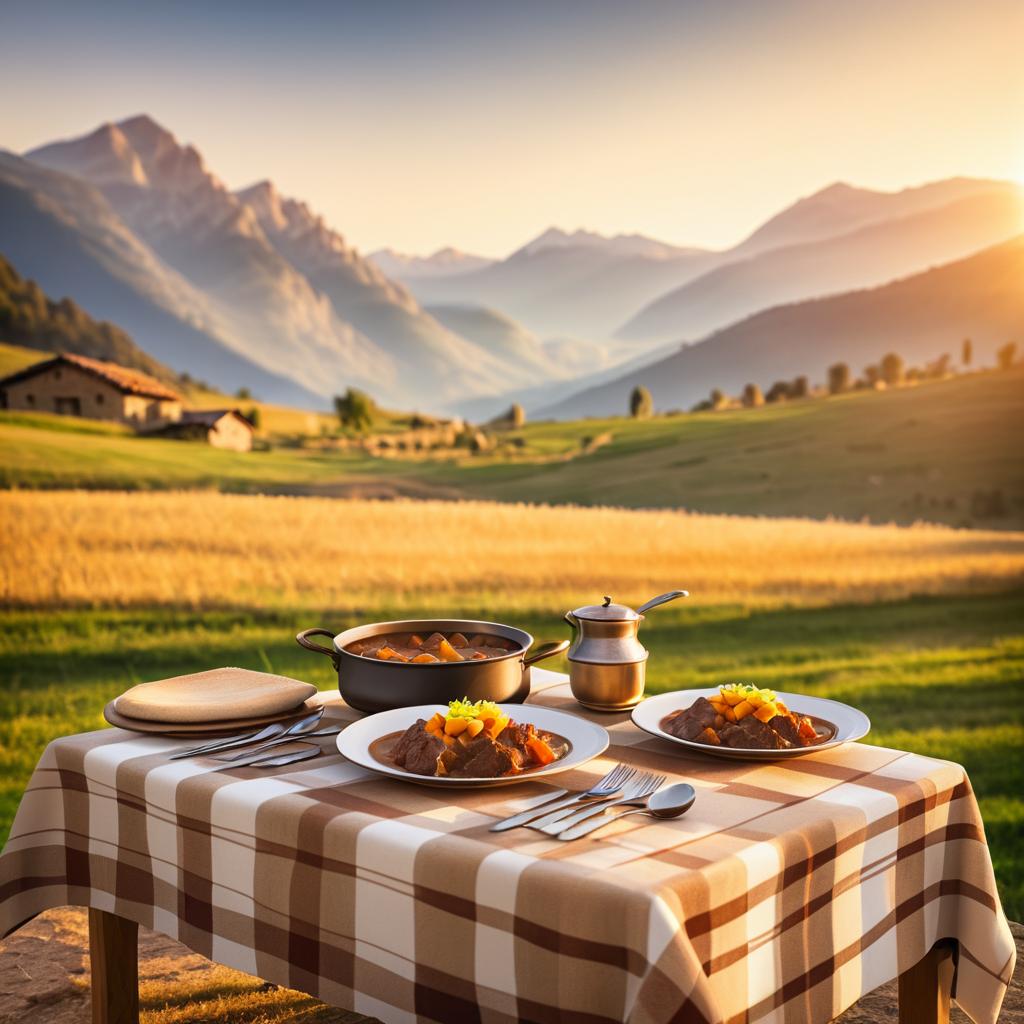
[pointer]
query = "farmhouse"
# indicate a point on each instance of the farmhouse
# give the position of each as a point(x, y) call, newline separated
point(222, 428)
point(73, 385)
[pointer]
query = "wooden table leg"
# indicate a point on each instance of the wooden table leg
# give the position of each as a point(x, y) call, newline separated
point(925, 987)
point(114, 953)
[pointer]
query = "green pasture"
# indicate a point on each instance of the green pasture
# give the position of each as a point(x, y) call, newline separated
point(940, 676)
point(946, 452)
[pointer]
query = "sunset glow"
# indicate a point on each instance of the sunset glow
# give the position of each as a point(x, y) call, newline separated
point(417, 126)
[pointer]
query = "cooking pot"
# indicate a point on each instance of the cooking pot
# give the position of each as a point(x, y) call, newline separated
point(368, 684)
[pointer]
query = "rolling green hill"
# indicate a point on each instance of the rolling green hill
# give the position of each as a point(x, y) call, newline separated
point(946, 451)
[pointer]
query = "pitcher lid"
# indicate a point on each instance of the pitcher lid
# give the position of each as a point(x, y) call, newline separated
point(607, 612)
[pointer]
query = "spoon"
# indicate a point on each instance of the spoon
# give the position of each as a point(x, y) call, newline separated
point(666, 803)
point(661, 599)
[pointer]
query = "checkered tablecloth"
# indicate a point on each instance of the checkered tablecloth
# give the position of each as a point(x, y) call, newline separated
point(787, 892)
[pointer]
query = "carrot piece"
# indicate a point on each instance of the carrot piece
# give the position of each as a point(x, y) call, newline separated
point(475, 727)
point(447, 652)
point(540, 751)
point(424, 659)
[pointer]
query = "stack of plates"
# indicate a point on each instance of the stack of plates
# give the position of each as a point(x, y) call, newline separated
point(220, 700)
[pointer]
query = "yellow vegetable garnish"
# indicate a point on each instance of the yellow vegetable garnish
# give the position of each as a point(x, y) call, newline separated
point(742, 699)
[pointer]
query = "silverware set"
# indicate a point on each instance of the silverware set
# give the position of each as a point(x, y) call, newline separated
point(263, 744)
point(568, 816)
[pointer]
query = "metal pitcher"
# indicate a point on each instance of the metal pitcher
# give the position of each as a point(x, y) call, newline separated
point(607, 662)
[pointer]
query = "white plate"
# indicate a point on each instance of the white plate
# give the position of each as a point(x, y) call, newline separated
point(586, 739)
point(850, 723)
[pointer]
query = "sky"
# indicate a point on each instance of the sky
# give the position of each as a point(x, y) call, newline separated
point(417, 125)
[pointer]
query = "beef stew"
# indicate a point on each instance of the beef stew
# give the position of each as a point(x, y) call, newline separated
point(472, 741)
point(748, 718)
point(434, 648)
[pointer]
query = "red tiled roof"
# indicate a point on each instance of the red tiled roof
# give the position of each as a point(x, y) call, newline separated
point(132, 382)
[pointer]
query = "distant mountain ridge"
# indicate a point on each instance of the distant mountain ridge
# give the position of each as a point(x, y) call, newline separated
point(582, 284)
point(442, 262)
point(919, 317)
point(288, 292)
point(869, 255)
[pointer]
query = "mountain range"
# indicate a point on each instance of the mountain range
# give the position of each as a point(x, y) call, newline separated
point(919, 317)
point(253, 288)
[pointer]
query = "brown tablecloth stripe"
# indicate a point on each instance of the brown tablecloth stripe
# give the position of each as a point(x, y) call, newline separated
point(786, 893)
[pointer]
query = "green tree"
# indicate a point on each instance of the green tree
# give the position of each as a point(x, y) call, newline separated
point(641, 405)
point(799, 388)
point(838, 378)
point(355, 409)
point(893, 369)
point(1006, 355)
point(244, 394)
point(967, 352)
point(752, 396)
point(778, 392)
point(718, 399)
point(255, 417)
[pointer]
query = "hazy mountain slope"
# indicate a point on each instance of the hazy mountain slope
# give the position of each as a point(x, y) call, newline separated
point(565, 290)
point(63, 234)
point(841, 208)
point(919, 317)
point(498, 334)
point(380, 308)
point(586, 285)
point(866, 257)
point(30, 318)
point(402, 266)
point(621, 245)
point(197, 226)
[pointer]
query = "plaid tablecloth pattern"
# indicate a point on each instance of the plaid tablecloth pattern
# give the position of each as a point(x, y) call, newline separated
point(787, 892)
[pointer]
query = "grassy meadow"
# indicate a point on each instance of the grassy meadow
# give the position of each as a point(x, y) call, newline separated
point(920, 627)
point(944, 451)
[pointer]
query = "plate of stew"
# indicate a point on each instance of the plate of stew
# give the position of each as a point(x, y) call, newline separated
point(471, 744)
point(750, 723)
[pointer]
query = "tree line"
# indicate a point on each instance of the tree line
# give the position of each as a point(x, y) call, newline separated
point(31, 319)
point(890, 371)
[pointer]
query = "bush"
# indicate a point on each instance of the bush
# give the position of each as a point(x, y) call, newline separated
point(838, 378)
point(799, 388)
point(641, 405)
point(778, 392)
point(967, 352)
point(1006, 355)
point(255, 417)
point(244, 394)
point(893, 369)
point(718, 399)
point(355, 409)
point(752, 396)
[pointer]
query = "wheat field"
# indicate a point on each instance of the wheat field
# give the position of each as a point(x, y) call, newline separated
point(206, 550)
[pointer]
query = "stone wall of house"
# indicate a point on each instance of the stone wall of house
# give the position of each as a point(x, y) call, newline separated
point(229, 433)
point(67, 390)
point(70, 391)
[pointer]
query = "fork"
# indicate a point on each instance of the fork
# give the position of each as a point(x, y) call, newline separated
point(281, 741)
point(611, 784)
point(637, 792)
point(277, 729)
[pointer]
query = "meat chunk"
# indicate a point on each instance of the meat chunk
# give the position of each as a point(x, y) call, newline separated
point(788, 728)
point(752, 733)
point(421, 754)
point(689, 724)
point(486, 758)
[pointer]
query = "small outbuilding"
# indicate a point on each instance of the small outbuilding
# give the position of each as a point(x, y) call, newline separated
point(221, 428)
point(72, 385)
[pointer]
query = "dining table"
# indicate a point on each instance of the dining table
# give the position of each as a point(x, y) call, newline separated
point(789, 890)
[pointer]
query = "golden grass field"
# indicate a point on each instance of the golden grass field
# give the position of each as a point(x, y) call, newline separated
point(207, 550)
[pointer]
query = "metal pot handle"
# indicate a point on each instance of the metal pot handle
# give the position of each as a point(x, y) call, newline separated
point(546, 651)
point(303, 641)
